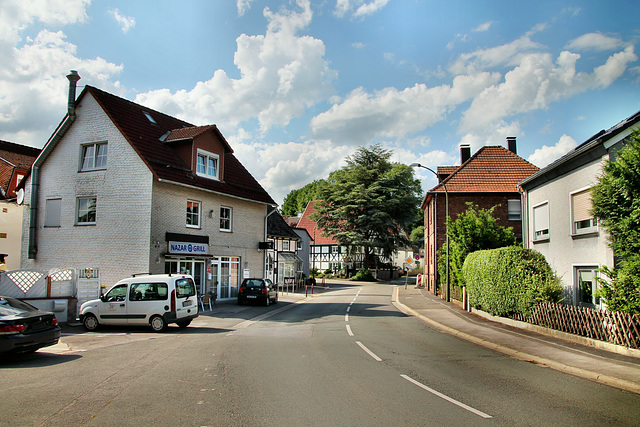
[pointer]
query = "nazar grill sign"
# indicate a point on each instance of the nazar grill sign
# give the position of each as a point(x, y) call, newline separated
point(188, 248)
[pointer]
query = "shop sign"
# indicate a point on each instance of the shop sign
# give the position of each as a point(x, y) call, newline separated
point(188, 248)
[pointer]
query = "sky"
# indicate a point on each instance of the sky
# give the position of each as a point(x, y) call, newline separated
point(297, 86)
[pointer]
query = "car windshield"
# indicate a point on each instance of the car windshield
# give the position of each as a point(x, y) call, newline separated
point(185, 288)
point(253, 284)
point(12, 306)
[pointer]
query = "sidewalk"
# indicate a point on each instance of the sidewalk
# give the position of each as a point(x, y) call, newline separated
point(610, 368)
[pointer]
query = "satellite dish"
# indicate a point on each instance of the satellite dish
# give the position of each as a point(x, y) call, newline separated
point(20, 196)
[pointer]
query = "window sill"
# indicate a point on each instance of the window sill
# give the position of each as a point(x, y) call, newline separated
point(85, 224)
point(543, 240)
point(194, 227)
point(92, 170)
point(226, 231)
point(585, 235)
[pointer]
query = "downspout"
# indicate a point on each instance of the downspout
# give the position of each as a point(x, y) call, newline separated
point(73, 78)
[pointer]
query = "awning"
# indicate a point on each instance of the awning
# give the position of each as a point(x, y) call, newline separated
point(288, 257)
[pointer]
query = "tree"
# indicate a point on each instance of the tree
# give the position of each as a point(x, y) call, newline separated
point(369, 203)
point(616, 204)
point(296, 201)
point(473, 230)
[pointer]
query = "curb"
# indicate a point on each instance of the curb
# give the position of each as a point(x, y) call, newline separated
point(579, 372)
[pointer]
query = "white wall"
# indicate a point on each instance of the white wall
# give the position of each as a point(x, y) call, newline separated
point(119, 242)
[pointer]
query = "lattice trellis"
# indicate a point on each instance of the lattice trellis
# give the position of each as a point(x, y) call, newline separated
point(24, 280)
point(62, 276)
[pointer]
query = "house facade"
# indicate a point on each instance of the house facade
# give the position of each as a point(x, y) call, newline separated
point(488, 178)
point(121, 189)
point(283, 265)
point(558, 222)
point(15, 162)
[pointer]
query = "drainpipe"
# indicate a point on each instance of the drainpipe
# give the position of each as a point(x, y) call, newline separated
point(35, 169)
point(264, 257)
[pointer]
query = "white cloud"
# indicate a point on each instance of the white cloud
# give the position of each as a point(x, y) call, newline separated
point(595, 42)
point(282, 74)
point(243, 6)
point(483, 27)
point(391, 113)
point(536, 82)
point(546, 155)
point(126, 22)
point(506, 54)
point(32, 78)
point(358, 8)
point(282, 167)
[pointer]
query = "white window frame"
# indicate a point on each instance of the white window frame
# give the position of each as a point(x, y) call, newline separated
point(584, 225)
point(285, 245)
point(207, 156)
point(193, 219)
point(229, 227)
point(94, 156)
point(511, 211)
point(595, 301)
point(81, 211)
point(52, 212)
point(543, 236)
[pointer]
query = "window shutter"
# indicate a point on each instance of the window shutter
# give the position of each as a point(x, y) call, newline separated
point(541, 217)
point(582, 206)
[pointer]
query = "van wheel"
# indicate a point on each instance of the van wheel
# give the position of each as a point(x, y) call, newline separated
point(158, 323)
point(90, 323)
point(184, 323)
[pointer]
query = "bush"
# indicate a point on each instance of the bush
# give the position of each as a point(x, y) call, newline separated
point(364, 275)
point(508, 281)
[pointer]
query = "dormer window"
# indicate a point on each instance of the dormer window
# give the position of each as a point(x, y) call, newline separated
point(207, 164)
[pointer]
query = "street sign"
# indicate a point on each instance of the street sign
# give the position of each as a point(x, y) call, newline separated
point(417, 257)
point(408, 260)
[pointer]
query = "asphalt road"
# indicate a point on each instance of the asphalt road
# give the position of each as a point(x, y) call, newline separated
point(345, 357)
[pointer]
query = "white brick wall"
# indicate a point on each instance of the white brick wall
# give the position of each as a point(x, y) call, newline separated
point(119, 242)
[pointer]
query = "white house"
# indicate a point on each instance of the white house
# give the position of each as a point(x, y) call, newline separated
point(121, 189)
point(558, 222)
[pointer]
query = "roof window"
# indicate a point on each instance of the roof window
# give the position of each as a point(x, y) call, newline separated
point(151, 119)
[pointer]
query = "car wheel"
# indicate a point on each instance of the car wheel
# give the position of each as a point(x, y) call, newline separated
point(267, 301)
point(184, 323)
point(90, 322)
point(158, 323)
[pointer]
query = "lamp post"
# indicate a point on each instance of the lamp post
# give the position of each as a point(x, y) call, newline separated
point(446, 198)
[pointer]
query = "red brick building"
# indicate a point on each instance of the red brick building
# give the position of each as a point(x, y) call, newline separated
point(488, 178)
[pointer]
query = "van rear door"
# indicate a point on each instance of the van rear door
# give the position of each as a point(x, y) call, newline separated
point(186, 299)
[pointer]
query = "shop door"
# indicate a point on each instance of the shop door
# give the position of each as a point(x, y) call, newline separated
point(225, 276)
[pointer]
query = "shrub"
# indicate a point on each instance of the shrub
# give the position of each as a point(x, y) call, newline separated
point(364, 275)
point(510, 280)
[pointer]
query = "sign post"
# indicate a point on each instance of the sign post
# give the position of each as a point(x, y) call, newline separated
point(406, 280)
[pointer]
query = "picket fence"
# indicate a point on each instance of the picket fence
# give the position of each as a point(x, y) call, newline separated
point(610, 326)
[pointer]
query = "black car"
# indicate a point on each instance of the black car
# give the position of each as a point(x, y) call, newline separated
point(258, 290)
point(24, 328)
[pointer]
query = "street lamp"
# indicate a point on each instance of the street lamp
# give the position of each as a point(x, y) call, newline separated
point(446, 198)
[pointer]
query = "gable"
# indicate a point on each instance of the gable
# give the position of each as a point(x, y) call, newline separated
point(147, 131)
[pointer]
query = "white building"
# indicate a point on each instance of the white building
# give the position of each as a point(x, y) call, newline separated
point(121, 189)
point(558, 222)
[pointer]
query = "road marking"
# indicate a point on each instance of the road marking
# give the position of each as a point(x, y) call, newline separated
point(348, 309)
point(369, 352)
point(349, 331)
point(346, 317)
point(447, 398)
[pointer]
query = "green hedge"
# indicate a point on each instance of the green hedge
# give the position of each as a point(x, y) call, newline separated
point(509, 280)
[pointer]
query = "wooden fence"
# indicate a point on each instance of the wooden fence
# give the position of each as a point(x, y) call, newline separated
point(614, 327)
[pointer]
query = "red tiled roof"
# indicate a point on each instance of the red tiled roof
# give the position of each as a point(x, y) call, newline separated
point(489, 170)
point(14, 157)
point(145, 138)
point(312, 227)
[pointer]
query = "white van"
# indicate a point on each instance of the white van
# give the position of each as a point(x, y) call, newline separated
point(154, 300)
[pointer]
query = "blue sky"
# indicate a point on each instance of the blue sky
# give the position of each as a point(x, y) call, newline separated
point(295, 86)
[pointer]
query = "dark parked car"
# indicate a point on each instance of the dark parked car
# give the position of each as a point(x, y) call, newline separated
point(24, 328)
point(258, 290)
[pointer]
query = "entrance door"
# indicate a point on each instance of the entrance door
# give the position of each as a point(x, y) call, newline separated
point(225, 275)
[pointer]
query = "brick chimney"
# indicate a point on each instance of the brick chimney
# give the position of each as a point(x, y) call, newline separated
point(465, 153)
point(511, 144)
